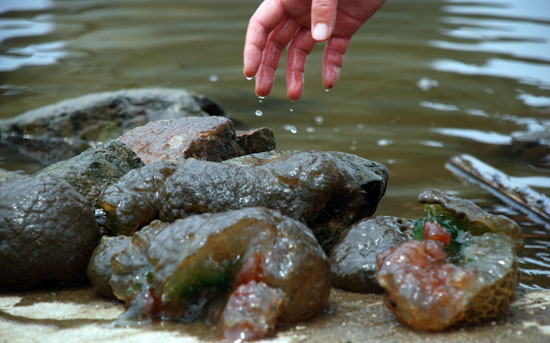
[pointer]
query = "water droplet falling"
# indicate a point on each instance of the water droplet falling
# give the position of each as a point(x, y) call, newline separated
point(258, 113)
point(291, 128)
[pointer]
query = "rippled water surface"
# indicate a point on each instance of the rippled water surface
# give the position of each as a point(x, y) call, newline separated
point(422, 81)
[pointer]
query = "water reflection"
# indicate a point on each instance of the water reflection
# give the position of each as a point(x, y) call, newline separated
point(526, 72)
point(513, 29)
point(34, 54)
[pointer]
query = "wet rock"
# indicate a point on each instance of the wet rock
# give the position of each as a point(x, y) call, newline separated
point(254, 265)
point(469, 216)
point(353, 258)
point(99, 267)
point(47, 233)
point(133, 201)
point(326, 190)
point(211, 139)
point(62, 130)
point(95, 169)
point(256, 140)
point(6, 175)
point(461, 268)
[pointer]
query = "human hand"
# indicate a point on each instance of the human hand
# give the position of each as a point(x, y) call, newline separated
point(300, 24)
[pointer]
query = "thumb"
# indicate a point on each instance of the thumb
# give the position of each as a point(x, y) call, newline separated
point(323, 17)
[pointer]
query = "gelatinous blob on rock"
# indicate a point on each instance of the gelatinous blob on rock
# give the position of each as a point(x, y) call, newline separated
point(431, 286)
point(99, 268)
point(469, 216)
point(47, 233)
point(197, 265)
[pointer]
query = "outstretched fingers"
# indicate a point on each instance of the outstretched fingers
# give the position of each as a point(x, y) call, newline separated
point(332, 61)
point(296, 58)
point(276, 43)
point(268, 15)
point(323, 18)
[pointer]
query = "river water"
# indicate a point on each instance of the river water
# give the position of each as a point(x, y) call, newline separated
point(422, 81)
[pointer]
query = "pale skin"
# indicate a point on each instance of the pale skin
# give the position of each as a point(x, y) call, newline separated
point(298, 25)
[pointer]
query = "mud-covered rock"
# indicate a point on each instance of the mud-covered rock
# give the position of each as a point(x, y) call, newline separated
point(210, 138)
point(326, 190)
point(133, 201)
point(59, 131)
point(256, 140)
point(47, 233)
point(353, 258)
point(254, 266)
point(455, 271)
point(95, 169)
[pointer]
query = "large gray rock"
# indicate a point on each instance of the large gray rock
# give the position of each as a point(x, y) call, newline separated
point(59, 131)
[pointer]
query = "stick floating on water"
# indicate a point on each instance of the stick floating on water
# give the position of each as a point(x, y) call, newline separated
point(520, 196)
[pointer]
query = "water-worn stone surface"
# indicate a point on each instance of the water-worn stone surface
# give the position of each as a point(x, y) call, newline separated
point(47, 232)
point(254, 264)
point(9, 174)
point(59, 131)
point(326, 190)
point(353, 258)
point(95, 169)
point(210, 138)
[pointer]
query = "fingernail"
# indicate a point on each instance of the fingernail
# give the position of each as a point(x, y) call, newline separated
point(320, 32)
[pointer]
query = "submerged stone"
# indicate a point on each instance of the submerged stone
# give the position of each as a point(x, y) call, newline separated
point(59, 131)
point(326, 190)
point(254, 265)
point(460, 268)
point(353, 258)
point(47, 233)
point(95, 169)
point(211, 139)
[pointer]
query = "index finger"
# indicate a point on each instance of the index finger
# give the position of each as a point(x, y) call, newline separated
point(268, 15)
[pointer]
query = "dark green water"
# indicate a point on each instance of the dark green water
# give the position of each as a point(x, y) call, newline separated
point(422, 81)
